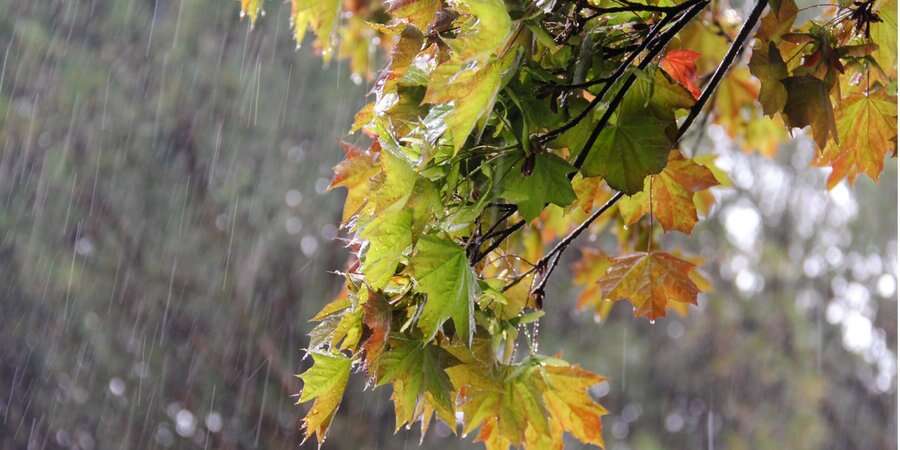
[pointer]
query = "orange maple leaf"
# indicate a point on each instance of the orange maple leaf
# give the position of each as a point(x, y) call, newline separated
point(650, 281)
point(681, 65)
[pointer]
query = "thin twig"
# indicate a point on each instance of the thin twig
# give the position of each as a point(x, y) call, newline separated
point(620, 94)
point(551, 259)
point(610, 81)
point(548, 263)
point(726, 63)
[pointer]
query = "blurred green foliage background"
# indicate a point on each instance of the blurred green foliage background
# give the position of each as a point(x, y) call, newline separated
point(165, 232)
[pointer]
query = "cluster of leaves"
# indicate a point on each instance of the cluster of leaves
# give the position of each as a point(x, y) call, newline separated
point(502, 131)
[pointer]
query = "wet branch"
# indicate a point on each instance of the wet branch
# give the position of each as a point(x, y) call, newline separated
point(726, 63)
point(545, 266)
point(548, 263)
point(620, 95)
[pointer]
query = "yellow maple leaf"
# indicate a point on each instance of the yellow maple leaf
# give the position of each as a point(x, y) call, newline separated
point(324, 382)
point(251, 9)
point(867, 128)
point(319, 15)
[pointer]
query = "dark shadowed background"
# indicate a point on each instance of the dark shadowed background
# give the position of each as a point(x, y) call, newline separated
point(165, 233)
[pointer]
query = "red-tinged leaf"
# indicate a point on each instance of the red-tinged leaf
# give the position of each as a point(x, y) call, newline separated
point(681, 65)
point(406, 46)
point(355, 173)
point(566, 398)
point(670, 195)
point(650, 281)
point(377, 319)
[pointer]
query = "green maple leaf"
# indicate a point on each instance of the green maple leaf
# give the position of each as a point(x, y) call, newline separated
point(416, 370)
point(627, 151)
point(389, 235)
point(547, 183)
point(767, 65)
point(442, 272)
point(324, 382)
point(399, 181)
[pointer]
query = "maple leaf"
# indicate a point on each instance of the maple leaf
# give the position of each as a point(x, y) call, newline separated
point(681, 66)
point(528, 405)
point(703, 39)
point(670, 194)
point(867, 126)
point(629, 150)
point(654, 93)
point(884, 34)
point(348, 330)
point(389, 235)
point(767, 65)
point(354, 173)
point(468, 82)
point(503, 406)
point(442, 272)
point(482, 29)
point(377, 319)
point(319, 15)
point(407, 45)
point(548, 182)
point(416, 371)
point(589, 192)
point(650, 281)
point(324, 382)
point(419, 13)
point(565, 395)
point(778, 21)
point(469, 90)
point(340, 303)
point(808, 104)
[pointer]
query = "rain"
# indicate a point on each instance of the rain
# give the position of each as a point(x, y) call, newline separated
point(166, 231)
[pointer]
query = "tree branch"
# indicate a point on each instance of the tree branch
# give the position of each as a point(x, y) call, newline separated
point(620, 94)
point(726, 63)
point(548, 262)
point(610, 81)
point(629, 6)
